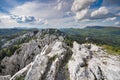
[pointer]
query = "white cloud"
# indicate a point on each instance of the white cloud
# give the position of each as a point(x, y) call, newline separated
point(36, 9)
point(117, 23)
point(42, 10)
point(9, 21)
point(29, 9)
point(100, 12)
point(42, 22)
point(64, 5)
point(118, 14)
point(54, 13)
point(81, 14)
point(6, 21)
point(111, 19)
point(81, 7)
point(2, 16)
point(23, 19)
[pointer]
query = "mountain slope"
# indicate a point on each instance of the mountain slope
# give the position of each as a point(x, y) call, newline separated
point(57, 62)
point(96, 34)
point(48, 57)
point(108, 37)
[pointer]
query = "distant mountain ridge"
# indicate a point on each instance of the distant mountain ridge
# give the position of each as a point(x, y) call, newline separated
point(109, 34)
point(98, 27)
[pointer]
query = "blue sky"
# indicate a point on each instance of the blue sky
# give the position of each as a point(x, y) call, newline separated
point(59, 13)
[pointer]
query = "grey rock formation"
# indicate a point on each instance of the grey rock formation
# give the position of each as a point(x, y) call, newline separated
point(92, 63)
point(21, 58)
point(84, 62)
point(49, 58)
point(47, 64)
point(26, 54)
point(19, 38)
point(7, 77)
point(22, 72)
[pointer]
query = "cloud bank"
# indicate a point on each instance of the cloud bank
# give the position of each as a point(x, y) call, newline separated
point(60, 13)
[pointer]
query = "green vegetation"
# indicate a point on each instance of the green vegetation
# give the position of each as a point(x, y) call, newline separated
point(8, 34)
point(20, 78)
point(8, 51)
point(112, 50)
point(68, 41)
point(53, 58)
point(109, 36)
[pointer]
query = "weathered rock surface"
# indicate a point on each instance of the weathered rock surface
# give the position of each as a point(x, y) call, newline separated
point(49, 58)
point(57, 61)
point(47, 64)
point(20, 38)
point(27, 52)
point(92, 63)
point(7, 77)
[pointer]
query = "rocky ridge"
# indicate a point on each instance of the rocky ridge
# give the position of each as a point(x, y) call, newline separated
point(49, 58)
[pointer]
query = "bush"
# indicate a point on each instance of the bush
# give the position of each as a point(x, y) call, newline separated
point(112, 49)
point(20, 78)
point(8, 51)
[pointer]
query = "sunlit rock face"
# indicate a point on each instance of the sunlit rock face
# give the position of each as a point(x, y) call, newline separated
point(49, 62)
point(49, 58)
point(58, 61)
point(19, 38)
point(28, 51)
point(7, 77)
point(92, 63)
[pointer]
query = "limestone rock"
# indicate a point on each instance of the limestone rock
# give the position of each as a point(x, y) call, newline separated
point(93, 64)
point(7, 77)
point(46, 65)
point(47, 57)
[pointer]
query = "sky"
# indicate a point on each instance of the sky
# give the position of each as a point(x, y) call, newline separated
point(59, 13)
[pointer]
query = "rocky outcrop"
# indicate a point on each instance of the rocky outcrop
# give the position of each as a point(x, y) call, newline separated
point(18, 39)
point(93, 63)
point(26, 54)
point(47, 64)
point(22, 72)
point(49, 58)
point(31, 35)
point(57, 61)
point(7, 77)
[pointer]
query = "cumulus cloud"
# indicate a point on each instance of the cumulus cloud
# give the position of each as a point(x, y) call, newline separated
point(39, 10)
point(23, 19)
point(118, 14)
point(29, 19)
point(102, 11)
point(64, 5)
point(43, 10)
point(42, 22)
point(59, 13)
point(6, 21)
point(3, 16)
point(81, 7)
point(43, 13)
point(20, 21)
point(111, 19)
point(117, 23)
